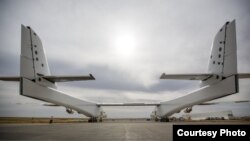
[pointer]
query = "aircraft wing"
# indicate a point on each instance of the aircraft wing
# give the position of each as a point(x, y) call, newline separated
point(186, 76)
point(128, 104)
point(10, 78)
point(68, 78)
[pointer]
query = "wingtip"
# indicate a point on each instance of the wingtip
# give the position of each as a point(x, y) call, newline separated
point(23, 26)
point(162, 76)
point(92, 77)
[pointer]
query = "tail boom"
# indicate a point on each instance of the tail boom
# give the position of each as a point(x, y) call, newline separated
point(226, 87)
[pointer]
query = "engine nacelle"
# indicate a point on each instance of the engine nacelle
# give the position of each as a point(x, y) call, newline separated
point(69, 111)
point(153, 116)
point(103, 114)
point(188, 110)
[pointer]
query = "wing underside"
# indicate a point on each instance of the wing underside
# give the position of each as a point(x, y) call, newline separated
point(128, 104)
point(150, 104)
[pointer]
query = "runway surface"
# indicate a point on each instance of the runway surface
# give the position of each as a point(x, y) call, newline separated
point(88, 132)
point(145, 131)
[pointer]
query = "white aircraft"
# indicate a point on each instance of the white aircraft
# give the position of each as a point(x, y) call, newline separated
point(220, 80)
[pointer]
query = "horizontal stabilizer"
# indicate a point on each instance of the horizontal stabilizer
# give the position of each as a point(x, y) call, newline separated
point(215, 103)
point(68, 78)
point(186, 76)
point(10, 78)
point(244, 75)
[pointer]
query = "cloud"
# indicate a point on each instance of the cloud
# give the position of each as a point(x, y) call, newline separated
point(117, 79)
point(9, 64)
point(79, 38)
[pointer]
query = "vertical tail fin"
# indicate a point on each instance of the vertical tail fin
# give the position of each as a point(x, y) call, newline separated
point(222, 69)
point(34, 65)
point(33, 59)
point(223, 57)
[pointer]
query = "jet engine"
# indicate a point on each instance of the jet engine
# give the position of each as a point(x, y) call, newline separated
point(69, 111)
point(188, 110)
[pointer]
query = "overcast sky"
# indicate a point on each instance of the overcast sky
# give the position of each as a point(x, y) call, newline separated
point(125, 44)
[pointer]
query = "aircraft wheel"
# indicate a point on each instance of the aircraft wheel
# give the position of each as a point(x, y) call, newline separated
point(164, 119)
point(92, 119)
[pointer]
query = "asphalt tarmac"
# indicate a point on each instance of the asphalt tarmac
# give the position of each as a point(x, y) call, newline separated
point(141, 131)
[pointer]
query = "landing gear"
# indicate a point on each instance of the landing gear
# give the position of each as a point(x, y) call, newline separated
point(156, 119)
point(161, 119)
point(94, 119)
point(100, 120)
point(165, 119)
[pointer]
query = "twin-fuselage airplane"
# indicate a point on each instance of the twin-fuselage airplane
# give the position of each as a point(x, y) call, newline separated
point(220, 80)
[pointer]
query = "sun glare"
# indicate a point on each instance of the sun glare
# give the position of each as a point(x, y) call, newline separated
point(125, 43)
